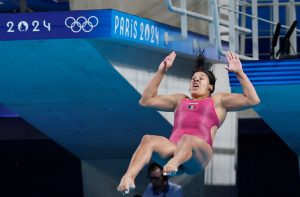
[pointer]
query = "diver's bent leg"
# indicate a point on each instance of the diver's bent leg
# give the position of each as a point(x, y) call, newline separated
point(142, 156)
point(182, 153)
point(192, 153)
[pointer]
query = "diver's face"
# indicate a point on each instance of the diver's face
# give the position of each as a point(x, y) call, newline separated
point(199, 85)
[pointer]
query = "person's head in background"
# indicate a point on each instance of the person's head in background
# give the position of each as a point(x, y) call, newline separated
point(155, 175)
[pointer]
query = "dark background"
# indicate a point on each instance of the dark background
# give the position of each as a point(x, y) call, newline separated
point(36, 167)
point(266, 165)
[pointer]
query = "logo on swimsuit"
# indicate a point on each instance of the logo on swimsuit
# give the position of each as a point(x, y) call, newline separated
point(191, 107)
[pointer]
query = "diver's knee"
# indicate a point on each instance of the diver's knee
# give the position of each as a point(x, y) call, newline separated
point(147, 139)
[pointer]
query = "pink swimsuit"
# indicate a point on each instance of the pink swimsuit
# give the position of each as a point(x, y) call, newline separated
point(195, 117)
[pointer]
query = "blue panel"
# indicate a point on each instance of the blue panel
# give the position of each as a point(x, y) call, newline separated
point(136, 29)
point(270, 72)
point(103, 24)
point(49, 25)
point(141, 31)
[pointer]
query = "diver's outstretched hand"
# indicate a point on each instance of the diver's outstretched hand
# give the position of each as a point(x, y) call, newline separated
point(167, 62)
point(234, 63)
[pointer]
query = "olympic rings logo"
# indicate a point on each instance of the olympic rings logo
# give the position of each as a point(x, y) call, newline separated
point(81, 23)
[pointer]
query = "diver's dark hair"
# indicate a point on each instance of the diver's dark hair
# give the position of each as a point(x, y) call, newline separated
point(203, 66)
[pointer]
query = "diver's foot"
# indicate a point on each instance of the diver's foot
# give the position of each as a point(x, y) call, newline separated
point(126, 185)
point(170, 169)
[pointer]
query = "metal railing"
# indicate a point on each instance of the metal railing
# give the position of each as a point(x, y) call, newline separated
point(234, 30)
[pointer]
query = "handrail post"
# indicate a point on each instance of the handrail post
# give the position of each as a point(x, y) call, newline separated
point(232, 21)
point(275, 19)
point(254, 30)
point(183, 19)
point(215, 13)
point(212, 31)
point(291, 16)
point(242, 47)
